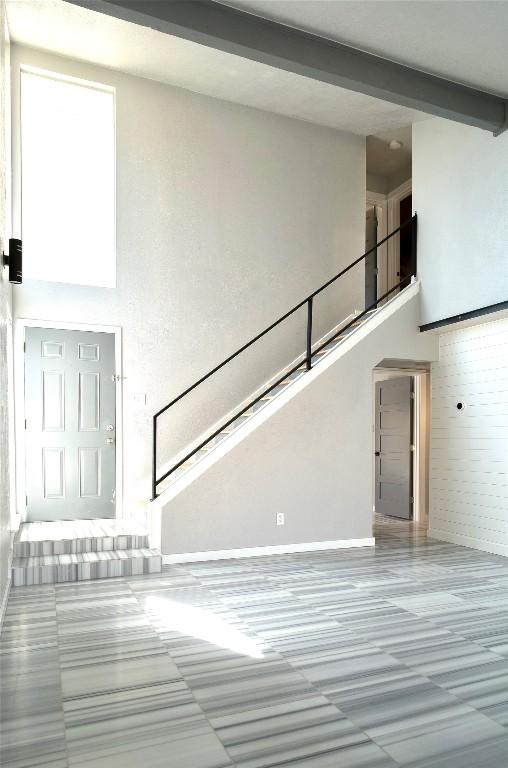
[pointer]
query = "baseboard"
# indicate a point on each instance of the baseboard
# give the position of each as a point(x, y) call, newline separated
point(5, 598)
point(493, 547)
point(277, 549)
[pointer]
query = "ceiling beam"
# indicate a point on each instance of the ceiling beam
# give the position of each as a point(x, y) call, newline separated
point(252, 37)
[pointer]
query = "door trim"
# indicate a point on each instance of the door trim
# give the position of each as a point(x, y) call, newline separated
point(420, 463)
point(20, 324)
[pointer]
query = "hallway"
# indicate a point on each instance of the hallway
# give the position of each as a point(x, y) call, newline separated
point(371, 658)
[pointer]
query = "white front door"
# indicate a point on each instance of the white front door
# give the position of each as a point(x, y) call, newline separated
point(70, 424)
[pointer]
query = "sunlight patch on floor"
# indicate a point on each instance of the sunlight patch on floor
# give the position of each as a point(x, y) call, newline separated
point(202, 624)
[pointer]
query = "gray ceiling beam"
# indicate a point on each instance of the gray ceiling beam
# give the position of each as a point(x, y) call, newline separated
point(252, 37)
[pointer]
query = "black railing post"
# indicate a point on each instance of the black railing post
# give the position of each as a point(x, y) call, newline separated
point(376, 270)
point(154, 458)
point(414, 233)
point(309, 333)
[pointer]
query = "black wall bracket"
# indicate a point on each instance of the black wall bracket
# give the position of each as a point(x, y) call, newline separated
point(14, 260)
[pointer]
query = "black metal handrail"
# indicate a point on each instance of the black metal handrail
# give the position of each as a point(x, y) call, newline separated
point(307, 358)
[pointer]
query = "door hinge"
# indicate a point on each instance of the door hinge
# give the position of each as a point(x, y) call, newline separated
point(24, 346)
point(411, 448)
point(412, 500)
point(412, 395)
point(26, 501)
point(25, 423)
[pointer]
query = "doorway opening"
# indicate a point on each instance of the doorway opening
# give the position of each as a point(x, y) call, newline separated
point(374, 261)
point(388, 205)
point(405, 264)
point(68, 421)
point(401, 440)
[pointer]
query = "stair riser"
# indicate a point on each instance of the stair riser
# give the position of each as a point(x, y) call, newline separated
point(78, 546)
point(73, 572)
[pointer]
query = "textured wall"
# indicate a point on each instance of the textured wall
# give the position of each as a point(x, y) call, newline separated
point(5, 295)
point(460, 189)
point(469, 448)
point(311, 460)
point(226, 216)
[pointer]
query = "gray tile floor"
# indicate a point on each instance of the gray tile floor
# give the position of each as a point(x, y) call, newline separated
point(365, 658)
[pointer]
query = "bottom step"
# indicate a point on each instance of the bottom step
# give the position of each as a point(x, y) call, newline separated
point(54, 569)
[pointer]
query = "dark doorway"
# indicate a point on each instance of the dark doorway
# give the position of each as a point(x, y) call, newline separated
point(405, 212)
point(371, 259)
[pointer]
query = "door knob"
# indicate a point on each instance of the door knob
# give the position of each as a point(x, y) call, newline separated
point(109, 427)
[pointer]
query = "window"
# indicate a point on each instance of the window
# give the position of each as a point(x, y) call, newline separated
point(67, 179)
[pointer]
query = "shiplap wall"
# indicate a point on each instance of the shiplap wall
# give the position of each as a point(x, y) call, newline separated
point(469, 448)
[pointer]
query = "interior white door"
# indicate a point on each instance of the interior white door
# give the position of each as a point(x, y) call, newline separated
point(393, 435)
point(70, 424)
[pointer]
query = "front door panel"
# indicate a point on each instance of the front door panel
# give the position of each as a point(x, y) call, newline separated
point(394, 461)
point(70, 424)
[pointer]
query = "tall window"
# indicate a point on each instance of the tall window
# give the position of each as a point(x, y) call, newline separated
point(67, 180)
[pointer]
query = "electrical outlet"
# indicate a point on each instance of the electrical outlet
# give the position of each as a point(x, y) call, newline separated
point(280, 518)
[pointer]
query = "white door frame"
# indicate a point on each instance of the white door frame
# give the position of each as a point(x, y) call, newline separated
point(19, 403)
point(420, 436)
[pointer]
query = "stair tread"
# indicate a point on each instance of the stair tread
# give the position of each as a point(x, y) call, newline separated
point(34, 561)
point(63, 530)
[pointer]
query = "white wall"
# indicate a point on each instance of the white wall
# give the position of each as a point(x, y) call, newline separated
point(384, 185)
point(377, 183)
point(460, 192)
point(311, 460)
point(5, 330)
point(469, 449)
point(226, 216)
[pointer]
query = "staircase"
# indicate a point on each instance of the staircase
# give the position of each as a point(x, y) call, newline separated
point(74, 551)
point(277, 391)
point(171, 477)
point(81, 550)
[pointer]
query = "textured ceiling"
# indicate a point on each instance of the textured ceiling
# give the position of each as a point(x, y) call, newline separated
point(60, 27)
point(384, 161)
point(462, 40)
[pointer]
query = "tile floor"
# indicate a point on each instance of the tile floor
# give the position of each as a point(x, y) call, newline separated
point(368, 658)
